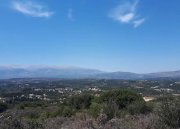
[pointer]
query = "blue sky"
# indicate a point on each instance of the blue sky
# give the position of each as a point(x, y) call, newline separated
point(112, 35)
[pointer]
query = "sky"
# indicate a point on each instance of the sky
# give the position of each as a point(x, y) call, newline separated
point(112, 35)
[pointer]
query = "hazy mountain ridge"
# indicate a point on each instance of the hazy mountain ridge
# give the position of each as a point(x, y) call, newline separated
point(77, 73)
point(50, 72)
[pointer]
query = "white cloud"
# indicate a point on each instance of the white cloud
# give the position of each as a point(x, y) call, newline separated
point(126, 18)
point(70, 15)
point(32, 9)
point(126, 12)
point(139, 22)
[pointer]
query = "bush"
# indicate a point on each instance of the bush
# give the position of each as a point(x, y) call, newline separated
point(64, 111)
point(80, 101)
point(35, 124)
point(3, 107)
point(169, 112)
point(122, 98)
point(118, 103)
point(34, 115)
point(67, 112)
point(138, 107)
point(111, 110)
point(95, 109)
point(21, 107)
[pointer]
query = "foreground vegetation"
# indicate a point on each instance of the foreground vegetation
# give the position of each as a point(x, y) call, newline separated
point(113, 108)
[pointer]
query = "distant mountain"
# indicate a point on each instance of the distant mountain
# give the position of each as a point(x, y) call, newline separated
point(47, 72)
point(133, 76)
point(77, 73)
point(170, 74)
point(118, 75)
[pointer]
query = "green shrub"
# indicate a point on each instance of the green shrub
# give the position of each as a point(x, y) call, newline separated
point(67, 112)
point(138, 107)
point(3, 107)
point(169, 112)
point(35, 124)
point(109, 110)
point(118, 103)
point(34, 115)
point(95, 109)
point(80, 101)
point(21, 107)
point(122, 98)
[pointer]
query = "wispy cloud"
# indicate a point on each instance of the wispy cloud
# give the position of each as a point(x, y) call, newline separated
point(32, 9)
point(70, 15)
point(138, 22)
point(126, 12)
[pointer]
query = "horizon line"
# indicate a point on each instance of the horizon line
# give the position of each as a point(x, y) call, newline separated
point(78, 67)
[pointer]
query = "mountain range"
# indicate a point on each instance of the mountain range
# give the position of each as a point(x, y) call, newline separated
point(77, 73)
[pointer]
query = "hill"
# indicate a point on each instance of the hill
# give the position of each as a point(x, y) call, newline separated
point(77, 73)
